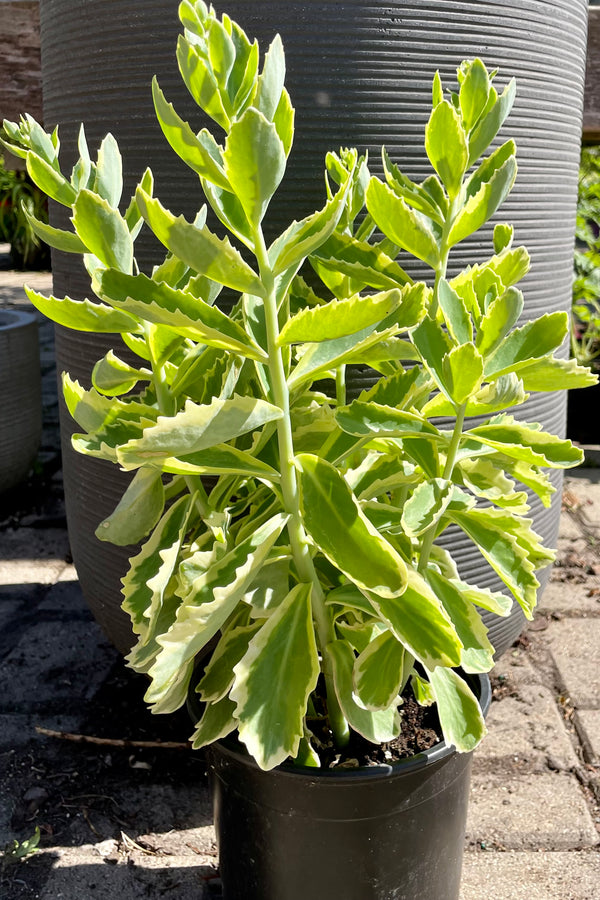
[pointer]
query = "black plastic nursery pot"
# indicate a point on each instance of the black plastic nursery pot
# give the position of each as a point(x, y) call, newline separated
point(359, 74)
point(383, 833)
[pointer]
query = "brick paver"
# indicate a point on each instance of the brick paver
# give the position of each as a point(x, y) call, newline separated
point(575, 647)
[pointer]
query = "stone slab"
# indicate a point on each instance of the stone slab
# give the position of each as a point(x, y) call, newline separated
point(569, 599)
point(575, 648)
point(83, 872)
point(587, 722)
point(76, 650)
point(526, 731)
point(33, 555)
point(531, 876)
point(515, 668)
point(529, 812)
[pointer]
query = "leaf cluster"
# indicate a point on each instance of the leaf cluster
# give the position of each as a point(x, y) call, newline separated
point(585, 329)
point(292, 525)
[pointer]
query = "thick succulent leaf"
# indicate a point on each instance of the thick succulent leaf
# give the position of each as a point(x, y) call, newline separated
point(191, 148)
point(460, 715)
point(491, 122)
point(478, 653)
point(494, 601)
point(521, 441)
point(49, 180)
point(271, 585)
point(254, 161)
point(67, 241)
point(179, 310)
point(446, 146)
point(403, 225)
point(481, 206)
point(302, 238)
point(205, 608)
point(112, 376)
point(274, 680)
point(381, 671)
point(222, 459)
point(401, 390)
point(341, 531)
point(82, 315)
point(103, 230)
point(501, 315)
point(199, 248)
point(145, 584)
point(433, 344)
point(416, 195)
point(197, 428)
point(474, 92)
point(339, 318)
point(456, 314)
point(375, 726)
point(202, 84)
point(523, 345)
point(137, 512)
point(108, 182)
point(556, 375)
point(271, 80)
point(362, 419)
point(367, 265)
point(511, 547)
point(487, 480)
point(419, 621)
point(92, 412)
point(531, 476)
point(462, 370)
point(218, 675)
point(496, 396)
point(216, 723)
point(510, 265)
point(426, 506)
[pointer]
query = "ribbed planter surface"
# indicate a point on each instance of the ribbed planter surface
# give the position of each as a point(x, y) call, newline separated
point(359, 75)
point(21, 393)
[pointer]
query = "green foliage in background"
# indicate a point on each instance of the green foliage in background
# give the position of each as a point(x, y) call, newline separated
point(585, 329)
point(20, 198)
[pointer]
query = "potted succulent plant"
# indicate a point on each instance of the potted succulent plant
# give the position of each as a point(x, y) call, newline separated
point(309, 562)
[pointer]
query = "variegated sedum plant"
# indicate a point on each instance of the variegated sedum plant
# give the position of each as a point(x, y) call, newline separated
point(311, 556)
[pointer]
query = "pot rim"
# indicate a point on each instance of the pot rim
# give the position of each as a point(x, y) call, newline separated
point(440, 751)
point(15, 318)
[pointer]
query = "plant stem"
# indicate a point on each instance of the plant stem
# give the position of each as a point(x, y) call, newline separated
point(290, 492)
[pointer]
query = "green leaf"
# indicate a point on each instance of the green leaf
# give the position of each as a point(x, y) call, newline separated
point(271, 80)
point(274, 680)
point(303, 238)
point(49, 180)
point(381, 671)
point(478, 653)
point(473, 93)
point(367, 265)
point(137, 512)
point(433, 345)
point(459, 711)
point(145, 584)
point(481, 206)
point(417, 196)
point(202, 84)
point(82, 315)
point(377, 727)
point(533, 341)
point(401, 224)
point(218, 675)
point(419, 621)
point(426, 506)
point(511, 548)
point(222, 459)
point(556, 375)
point(199, 248)
point(197, 428)
point(339, 318)
point(103, 230)
point(462, 370)
point(254, 161)
point(211, 598)
point(191, 148)
point(491, 122)
point(67, 241)
point(92, 412)
point(362, 419)
point(109, 172)
point(216, 723)
point(501, 315)
point(187, 315)
point(527, 442)
point(112, 376)
point(503, 236)
point(342, 532)
point(456, 314)
point(446, 146)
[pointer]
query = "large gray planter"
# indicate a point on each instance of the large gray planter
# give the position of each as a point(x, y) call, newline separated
point(21, 393)
point(359, 74)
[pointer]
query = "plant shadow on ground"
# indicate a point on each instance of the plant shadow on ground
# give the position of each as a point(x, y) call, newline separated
point(134, 804)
